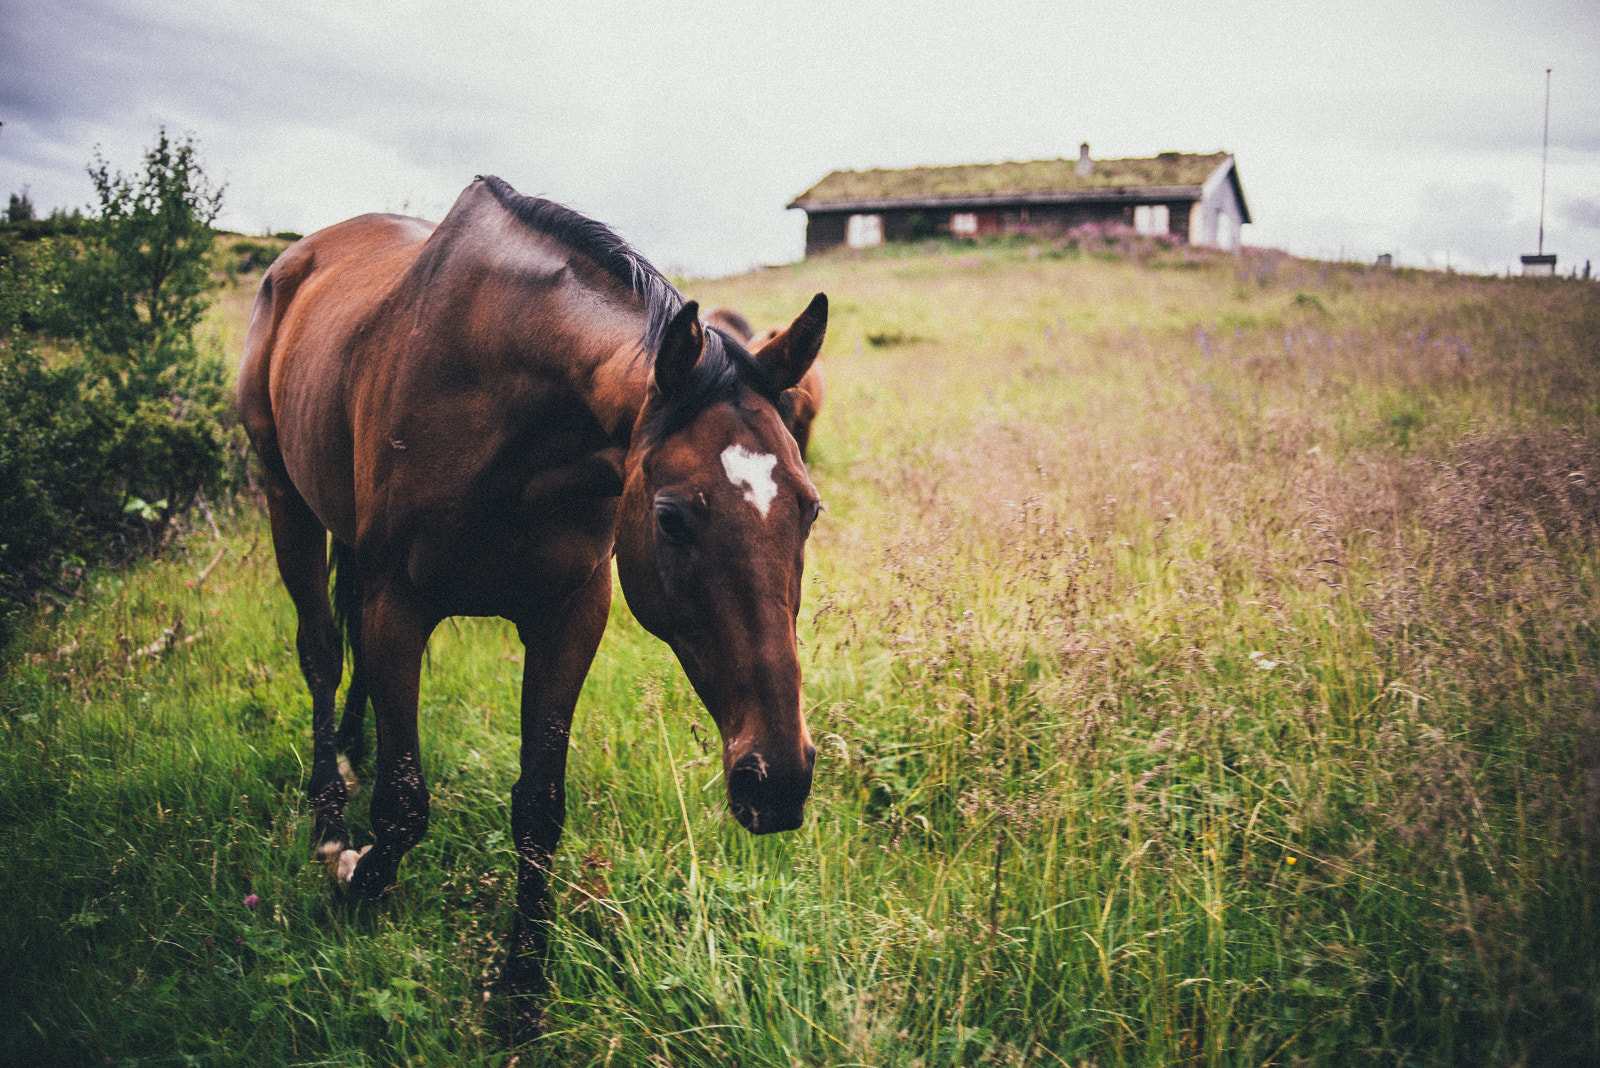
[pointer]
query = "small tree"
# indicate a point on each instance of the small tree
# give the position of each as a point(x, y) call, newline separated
point(139, 292)
point(142, 283)
point(20, 209)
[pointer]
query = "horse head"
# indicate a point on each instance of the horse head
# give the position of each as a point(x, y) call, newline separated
point(711, 534)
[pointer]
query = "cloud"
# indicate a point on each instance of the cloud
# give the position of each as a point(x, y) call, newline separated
point(1583, 214)
point(1473, 224)
point(689, 126)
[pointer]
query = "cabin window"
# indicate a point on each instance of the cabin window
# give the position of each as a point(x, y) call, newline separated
point(1152, 218)
point(864, 231)
point(964, 224)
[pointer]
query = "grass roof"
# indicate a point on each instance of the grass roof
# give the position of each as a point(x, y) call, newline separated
point(1013, 179)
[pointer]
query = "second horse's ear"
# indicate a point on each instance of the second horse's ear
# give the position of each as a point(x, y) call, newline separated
point(789, 355)
point(681, 346)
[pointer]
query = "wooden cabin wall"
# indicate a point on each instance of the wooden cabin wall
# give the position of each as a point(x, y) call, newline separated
point(826, 230)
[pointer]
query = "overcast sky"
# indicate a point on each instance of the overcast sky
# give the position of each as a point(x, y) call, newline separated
point(1360, 127)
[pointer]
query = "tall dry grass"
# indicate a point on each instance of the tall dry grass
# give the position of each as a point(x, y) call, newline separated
point(1285, 601)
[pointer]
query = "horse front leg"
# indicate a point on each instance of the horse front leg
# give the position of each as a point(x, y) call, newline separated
point(559, 652)
point(394, 633)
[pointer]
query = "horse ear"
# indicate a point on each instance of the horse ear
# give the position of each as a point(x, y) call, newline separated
point(789, 355)
point(681, 346)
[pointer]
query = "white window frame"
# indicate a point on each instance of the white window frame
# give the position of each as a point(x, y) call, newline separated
point(1152, 219)
point(864, 231)
point(964, 224)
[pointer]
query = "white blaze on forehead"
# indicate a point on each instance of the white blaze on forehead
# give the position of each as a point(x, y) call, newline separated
point(752, 472)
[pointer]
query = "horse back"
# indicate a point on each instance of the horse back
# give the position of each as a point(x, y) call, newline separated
point(436, 396)
point(314, 305)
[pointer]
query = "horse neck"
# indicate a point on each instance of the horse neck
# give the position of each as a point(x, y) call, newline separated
point(598, 359)
point(541, 302)
point(616, 390)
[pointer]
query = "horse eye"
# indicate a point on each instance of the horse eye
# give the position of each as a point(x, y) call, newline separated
point(674, 524)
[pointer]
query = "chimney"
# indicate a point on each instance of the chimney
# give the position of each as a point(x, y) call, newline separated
point(1085, 165)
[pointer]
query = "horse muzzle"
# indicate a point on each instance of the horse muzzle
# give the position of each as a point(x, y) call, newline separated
point(765, 799)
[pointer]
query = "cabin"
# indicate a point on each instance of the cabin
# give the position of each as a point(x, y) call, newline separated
point(1190, 196)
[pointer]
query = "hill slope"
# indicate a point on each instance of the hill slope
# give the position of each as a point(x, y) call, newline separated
point(1202, 655)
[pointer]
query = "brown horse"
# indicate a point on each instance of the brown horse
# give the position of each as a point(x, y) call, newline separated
point(481, 414)
point(800, 405)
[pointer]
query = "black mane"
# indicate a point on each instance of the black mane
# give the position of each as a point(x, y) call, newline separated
point(725, 364)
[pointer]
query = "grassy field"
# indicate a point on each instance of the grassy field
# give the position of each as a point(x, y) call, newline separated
point(1202, 655)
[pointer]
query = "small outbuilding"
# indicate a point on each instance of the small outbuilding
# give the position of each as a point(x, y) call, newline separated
point(1542, 265)
point(1193, 197)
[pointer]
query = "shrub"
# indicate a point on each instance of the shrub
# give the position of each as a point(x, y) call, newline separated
point(20, 209)
point(248, 255)
point(112, 419)
point(1115, 240)
point(59, 221)
point(55, 434)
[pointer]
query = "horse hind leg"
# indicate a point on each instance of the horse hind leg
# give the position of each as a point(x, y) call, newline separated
point(394, 635)
point(347, 605)
point(301, 545)
point(351, 739)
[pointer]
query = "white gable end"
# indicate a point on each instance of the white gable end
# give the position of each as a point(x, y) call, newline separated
point(1220, 212)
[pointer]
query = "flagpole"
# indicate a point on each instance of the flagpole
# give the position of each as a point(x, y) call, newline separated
point(1544, 159)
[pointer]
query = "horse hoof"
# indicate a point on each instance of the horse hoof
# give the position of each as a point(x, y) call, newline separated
point(527, 1022)
point(341, 862)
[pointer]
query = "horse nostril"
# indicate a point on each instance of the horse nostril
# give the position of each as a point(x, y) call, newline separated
point(748, 817)
point(748, 773)
point(766, 799)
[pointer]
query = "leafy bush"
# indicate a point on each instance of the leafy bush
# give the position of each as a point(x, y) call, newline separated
point(249, 255)
point(59, 221)
point(55, 433)
point(112, 419)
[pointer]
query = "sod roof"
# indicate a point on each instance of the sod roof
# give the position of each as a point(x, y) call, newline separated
point(1003, 181)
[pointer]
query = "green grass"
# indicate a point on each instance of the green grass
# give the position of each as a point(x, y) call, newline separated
point(1032, 176)
point(1201, 653)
